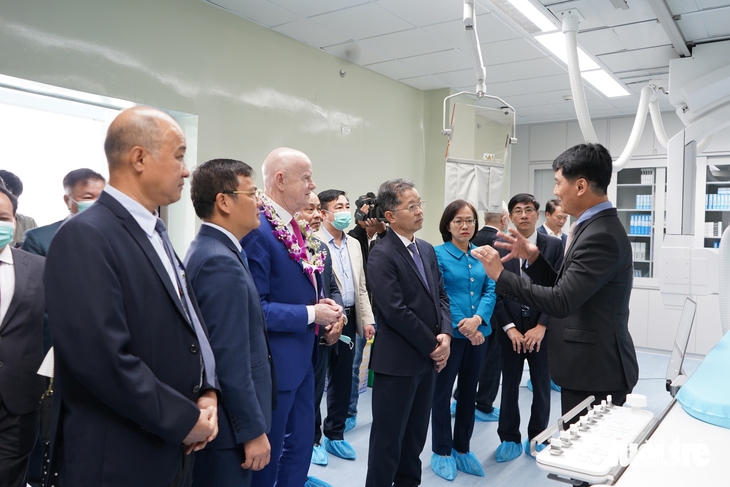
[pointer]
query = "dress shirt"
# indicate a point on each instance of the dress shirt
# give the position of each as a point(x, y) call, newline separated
point(147, 222)
point(470, 291)
point(551, 233)
point(286, 218)
point(7, 280)
point(593, 210)
point(344, 264)
point(227, 234)
point(407, 242)
point(533, 240)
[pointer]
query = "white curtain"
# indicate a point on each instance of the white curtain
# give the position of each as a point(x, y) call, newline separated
point(479, 183)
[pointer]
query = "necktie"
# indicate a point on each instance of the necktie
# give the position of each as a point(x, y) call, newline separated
point(571, 235)
point(207, 353)
point(419, 263)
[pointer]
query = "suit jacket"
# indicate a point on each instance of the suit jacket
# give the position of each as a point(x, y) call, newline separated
point(231, 307)
point(285, 291)
point(590, 348)
point(509, 311)
point(21, 337)
point(563, 236)
point(409, 314)
point(485, 236)
point(128, 367)
point(329, 290)
point(37, 240)
point(362, 302)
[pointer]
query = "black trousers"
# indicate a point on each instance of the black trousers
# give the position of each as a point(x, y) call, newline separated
point(334, 363)
point(512, 367)
point(17, 437)
point(465, 360)
point(489, 374)
point(401, 408)
point(570, 398)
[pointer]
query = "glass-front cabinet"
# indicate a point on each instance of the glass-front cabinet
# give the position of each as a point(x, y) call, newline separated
point(640, 202)
point(717, 200)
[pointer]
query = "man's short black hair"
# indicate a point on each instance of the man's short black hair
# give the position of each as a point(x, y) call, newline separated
point(13, 199)
point(523, 198)
point(213, 177)
point(328, 196)
point(80, 176)
point(550, 206)
point(448, 216)
point(390, 191)
point(589, 161)
point(12, 182)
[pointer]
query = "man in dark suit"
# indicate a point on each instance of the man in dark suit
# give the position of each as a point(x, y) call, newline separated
point(590, 351)
point(21, 348)
point(492, 369)
point(287, 271)
point(520, 324)
point(225, 197)
point(412, 342)
point(135, 386)
point(555, 219)
point(82, 188)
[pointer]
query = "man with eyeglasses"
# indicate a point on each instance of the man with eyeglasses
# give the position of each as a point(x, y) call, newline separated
point(555, 219)
point(225, 198)
point(413, 339)
point(522, 337)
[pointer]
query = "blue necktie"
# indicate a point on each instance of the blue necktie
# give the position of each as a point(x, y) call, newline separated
point(419, 263)
point(206, 352)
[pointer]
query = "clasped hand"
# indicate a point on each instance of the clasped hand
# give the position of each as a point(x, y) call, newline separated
point(441, 353)
point(206, 429)
point(328, 313)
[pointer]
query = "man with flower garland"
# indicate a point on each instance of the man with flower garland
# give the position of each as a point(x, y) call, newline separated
point(287, 269)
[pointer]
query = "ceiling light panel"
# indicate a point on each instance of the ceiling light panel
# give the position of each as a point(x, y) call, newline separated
point(526, 15)
point(605, 83)
point(555, 43)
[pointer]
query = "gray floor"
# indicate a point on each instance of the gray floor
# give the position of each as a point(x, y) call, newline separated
point(521, 471)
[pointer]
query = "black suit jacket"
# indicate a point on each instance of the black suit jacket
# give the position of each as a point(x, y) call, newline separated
point(38, 240)
point(128, 366)
point(590, 348)
point(510, 311)
point(563, 237)
point(21, 337)
point(409, 314)
point(231, 307)
point(485, 236)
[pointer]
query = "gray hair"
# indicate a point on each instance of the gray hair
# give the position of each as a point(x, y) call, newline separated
point(390, 191)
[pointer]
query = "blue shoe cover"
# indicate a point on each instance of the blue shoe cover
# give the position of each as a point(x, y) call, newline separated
point(468, 463)
point(315, 482)
point(508, 451)
point(538, 448)
point(350, 423)
point(529, 384)
point(444, 467)
point(340, 448)
point(319, 455)
point(486, 418)
point(554, 386)
point(453, 408)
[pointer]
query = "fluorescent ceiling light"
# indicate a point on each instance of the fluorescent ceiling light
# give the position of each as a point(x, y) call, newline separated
point(526, 15)
point(604, 82)
point(556, 44)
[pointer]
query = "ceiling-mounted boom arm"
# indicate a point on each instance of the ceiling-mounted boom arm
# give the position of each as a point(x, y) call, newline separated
point(470, 25)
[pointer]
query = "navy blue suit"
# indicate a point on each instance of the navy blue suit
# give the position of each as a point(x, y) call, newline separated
point(128, 367)
point(231, 307)
point(410, 313)
point(285, 291)
point(508, 311)
point(563, 236)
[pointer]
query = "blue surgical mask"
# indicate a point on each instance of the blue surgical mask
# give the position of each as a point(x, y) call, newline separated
point(83, 204)
point(6, 233)
point(342, 220)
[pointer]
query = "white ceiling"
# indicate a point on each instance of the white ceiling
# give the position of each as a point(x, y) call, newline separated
point(422, 43)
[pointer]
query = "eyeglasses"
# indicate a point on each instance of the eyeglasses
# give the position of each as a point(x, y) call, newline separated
point(255, 194)
point(469, 223)
point(414, 207)
point(527, 211)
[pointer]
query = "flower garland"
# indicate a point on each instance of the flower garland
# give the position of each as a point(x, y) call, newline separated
point(296, 253)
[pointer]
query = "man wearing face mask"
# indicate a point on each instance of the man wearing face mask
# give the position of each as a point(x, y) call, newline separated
point(22, 302)
point(347, 264)
point(81, 189)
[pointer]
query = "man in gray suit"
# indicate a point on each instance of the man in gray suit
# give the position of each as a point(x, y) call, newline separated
point(22, 302)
